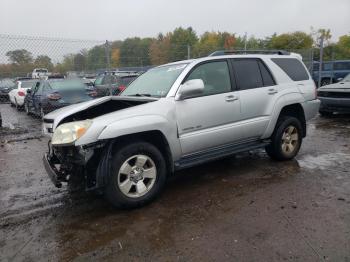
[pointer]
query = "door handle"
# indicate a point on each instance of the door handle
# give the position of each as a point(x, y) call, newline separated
point(272, 91)
point(231, 98)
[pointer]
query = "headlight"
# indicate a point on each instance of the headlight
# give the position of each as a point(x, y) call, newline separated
point(70, 132)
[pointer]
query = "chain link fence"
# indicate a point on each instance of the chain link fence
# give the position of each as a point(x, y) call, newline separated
point(39, 74)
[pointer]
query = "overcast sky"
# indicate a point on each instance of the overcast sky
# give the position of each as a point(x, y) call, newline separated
point(115, 19)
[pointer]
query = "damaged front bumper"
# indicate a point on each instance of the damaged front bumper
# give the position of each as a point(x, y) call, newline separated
point(52, 171)
point(74, 163)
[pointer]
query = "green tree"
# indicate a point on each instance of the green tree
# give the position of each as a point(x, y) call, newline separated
point(159, 49)
point(43, 61)
point(20, 56)
point(291, 41)
point(135, 52)
point(96, 57)
point(214, 41)
point(180, 39)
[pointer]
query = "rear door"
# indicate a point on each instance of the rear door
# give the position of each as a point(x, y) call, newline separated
point(257, 92)
point(207, 121)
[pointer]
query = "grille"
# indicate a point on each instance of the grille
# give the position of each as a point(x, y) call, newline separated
point(334, 94)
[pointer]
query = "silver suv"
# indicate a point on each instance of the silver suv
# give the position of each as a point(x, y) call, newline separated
point(179, 115)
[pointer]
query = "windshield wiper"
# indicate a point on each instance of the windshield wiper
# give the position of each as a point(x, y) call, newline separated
point(146, 95)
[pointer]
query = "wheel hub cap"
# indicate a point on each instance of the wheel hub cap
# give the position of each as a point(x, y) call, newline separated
point(137, 176)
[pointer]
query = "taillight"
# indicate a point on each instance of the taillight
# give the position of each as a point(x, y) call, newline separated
point(54, 96)
point(21, 93)
point(121, 88)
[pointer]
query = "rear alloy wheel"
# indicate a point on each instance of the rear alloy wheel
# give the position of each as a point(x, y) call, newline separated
point(138, 175)
point(286, 139)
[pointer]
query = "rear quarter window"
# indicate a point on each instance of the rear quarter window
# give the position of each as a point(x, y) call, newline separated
point(292, 67)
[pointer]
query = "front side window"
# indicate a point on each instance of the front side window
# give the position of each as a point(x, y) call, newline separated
point(215, 75)
point(247, 73)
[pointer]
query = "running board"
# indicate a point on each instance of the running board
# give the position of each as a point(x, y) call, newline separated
point(217, 153)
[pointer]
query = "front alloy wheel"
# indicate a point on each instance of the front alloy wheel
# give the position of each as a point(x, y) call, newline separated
point(137, 176)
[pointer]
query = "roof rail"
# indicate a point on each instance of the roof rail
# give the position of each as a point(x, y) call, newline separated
point(270, 52)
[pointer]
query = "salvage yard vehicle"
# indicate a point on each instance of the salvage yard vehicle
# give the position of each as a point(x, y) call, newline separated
point(40, 73)
point(49, 95)
point(18, 94)
point(335, 97)
point(6, 85)
point(113, 83)
point(180, 115)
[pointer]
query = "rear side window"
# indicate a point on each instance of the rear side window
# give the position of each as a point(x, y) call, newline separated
point(247, 73)
point(292, 67)
point(266, 75)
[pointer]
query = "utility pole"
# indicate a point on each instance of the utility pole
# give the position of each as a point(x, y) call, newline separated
point(245, 41)
point(188, 52)
point(321, 61)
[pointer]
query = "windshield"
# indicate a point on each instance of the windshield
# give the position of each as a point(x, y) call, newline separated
point(156, 82)
point(347, 78)
point(27, 84)
point(67, 85)
point(98, 80)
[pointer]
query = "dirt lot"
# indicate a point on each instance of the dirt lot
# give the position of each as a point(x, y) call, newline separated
point(246, 208)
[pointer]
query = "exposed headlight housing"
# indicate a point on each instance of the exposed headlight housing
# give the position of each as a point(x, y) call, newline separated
point(70, 132)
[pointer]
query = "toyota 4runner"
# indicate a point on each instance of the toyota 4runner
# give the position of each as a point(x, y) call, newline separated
point(179, 115)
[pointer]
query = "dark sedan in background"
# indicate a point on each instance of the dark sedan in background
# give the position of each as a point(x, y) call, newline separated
point(6, 85)
point(113, 83)
point(49, 95)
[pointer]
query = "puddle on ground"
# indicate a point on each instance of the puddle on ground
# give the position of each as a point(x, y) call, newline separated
point(324, 161)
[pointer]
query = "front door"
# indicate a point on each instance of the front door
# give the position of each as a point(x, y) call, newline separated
point(208, 120)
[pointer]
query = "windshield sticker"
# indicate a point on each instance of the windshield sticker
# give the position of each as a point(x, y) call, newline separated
point(174, 68)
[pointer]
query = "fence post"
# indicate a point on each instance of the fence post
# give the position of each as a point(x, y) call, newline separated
point(108, 66)
point(188, 52)
point(321, 61)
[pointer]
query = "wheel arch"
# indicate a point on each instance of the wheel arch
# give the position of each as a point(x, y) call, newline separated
point(293, 109)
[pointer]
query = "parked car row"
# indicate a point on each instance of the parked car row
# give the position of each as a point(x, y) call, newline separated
point(42, 95)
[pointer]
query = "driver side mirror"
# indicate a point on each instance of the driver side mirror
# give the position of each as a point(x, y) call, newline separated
point(190, 88)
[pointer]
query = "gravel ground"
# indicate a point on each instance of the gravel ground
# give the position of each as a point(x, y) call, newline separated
point(244, 208)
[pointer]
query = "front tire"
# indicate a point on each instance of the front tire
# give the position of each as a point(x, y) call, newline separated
point(286, 139)
point(138, 175)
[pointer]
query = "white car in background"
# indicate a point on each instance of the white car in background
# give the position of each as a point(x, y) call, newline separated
point(18, 94)
point(40, 73)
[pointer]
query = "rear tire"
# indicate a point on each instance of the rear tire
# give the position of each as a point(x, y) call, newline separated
point(286, 139)
point(138, 175)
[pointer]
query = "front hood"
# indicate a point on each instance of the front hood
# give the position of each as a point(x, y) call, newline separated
point(341, 86)
point(62, 113)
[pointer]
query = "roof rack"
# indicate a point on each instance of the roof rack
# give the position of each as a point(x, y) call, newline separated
point(270, 52)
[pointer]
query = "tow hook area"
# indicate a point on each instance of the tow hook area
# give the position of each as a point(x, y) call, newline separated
point(52, 171)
